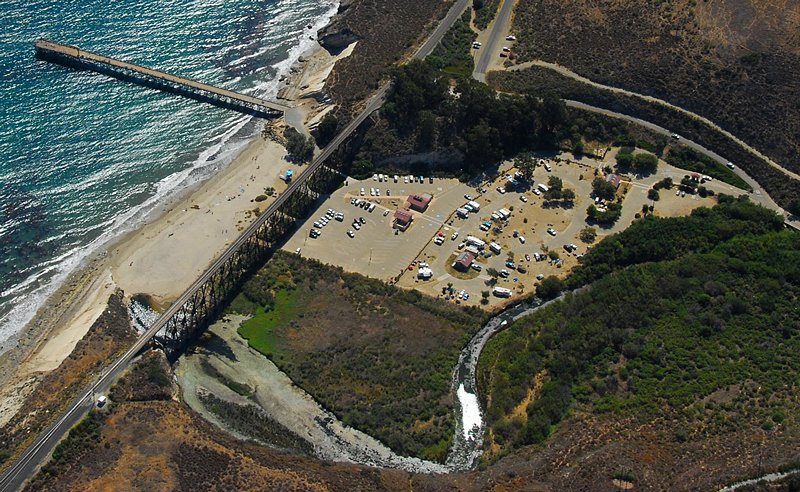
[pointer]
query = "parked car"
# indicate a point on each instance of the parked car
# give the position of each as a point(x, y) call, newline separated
point(454, 236)
point(467, 196)
point(476, 267)
point(523, 198)
point(540, 276)
point(362, 191)
point(351, 233)
point(551, 231)
point(511, 37)
point(522, 239)
point(362, 220)
point(356, 226)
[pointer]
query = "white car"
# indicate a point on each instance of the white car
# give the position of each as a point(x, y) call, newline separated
point(396, 177)
point(551, 231)
point(501, 190)
point(522, 239)
point(405, 179)
point(356, 226)
point(372, 192)
point(506, 49)
point(511, 37)
point(523, 198)
point(362, 191)
point(730, 165)
point(377, 192)
point(454, 236)
point(374, 177)
point(537, 192)
point(351, 233)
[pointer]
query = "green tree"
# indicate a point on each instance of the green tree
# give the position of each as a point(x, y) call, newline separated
point(603, 189)
point(299, 147)
point(794, 207)
point(526, 164)
point(326, 129)
point(645, 163)
point(588, 235)
point(549, 288)
point(652, 194)
point(624, 160)
point(553, 254)
point(427, 130)
point(567, 196)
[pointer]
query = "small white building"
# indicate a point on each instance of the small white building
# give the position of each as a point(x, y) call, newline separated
point(424, 273)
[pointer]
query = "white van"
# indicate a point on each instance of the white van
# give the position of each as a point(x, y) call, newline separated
point(495, 248)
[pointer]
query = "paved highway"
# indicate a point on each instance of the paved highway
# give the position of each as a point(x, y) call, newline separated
point(494, 43)
point(25, 467)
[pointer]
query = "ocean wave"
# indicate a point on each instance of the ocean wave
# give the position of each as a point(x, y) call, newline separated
point(228, 139)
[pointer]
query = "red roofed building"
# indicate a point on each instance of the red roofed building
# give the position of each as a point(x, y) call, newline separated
point(419, 202)
point(614, 179)
point(464, 261)
point(402, 219)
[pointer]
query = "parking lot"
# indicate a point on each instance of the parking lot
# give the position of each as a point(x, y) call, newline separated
point(531, 228)
point(377, 250)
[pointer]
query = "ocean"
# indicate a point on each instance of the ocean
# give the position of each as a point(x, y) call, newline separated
point(84, 158)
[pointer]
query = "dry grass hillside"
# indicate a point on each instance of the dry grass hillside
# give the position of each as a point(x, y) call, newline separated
point(385, 30)
point(733, 61)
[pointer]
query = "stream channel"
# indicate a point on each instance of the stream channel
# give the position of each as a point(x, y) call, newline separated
point(276, 399)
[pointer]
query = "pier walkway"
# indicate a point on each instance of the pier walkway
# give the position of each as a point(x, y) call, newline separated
point(199, 90)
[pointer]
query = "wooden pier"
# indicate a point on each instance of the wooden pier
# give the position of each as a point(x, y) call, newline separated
point(72, 55)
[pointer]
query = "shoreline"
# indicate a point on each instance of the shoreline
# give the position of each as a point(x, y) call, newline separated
point(170, 247)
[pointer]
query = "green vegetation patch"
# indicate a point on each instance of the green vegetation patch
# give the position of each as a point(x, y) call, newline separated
point(485, 11)
point(691, 160)
point(454, 53)
point(379, 357)
point(709, 337)
point(258, 330)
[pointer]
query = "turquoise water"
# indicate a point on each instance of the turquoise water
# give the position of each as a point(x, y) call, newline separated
point(84, 156)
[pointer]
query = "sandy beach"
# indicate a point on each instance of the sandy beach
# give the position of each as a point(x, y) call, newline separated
point(164, 256)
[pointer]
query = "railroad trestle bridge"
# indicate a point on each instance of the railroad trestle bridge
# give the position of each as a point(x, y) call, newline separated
point(184, 322)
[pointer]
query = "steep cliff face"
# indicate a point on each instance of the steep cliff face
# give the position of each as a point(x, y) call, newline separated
point(337, 35)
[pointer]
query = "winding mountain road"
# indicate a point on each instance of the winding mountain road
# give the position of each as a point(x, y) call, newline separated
point(579, 78)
